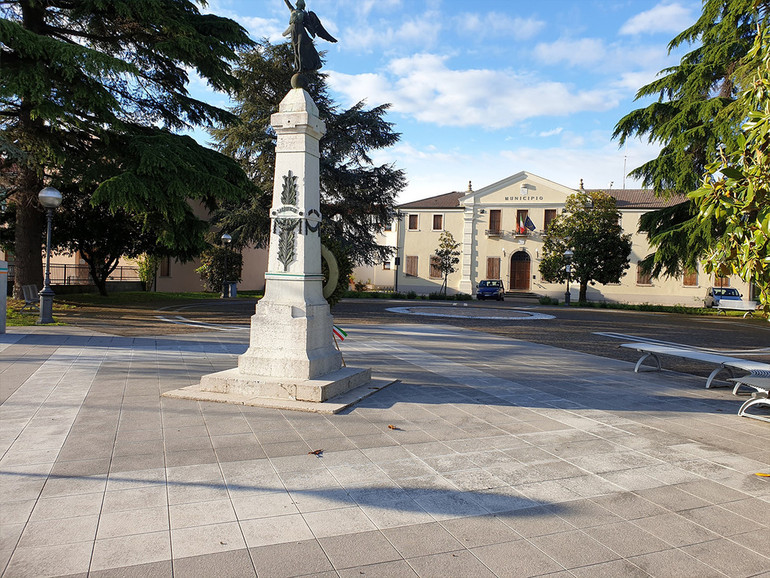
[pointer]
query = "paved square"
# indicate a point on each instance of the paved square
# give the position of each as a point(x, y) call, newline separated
point(489, 457)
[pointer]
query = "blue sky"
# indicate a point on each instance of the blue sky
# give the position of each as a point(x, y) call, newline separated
point(483, 89)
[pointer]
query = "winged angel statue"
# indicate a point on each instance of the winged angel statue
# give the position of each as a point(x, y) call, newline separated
point(302, 26)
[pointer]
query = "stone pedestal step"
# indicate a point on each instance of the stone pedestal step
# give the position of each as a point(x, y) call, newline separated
point(331, 406)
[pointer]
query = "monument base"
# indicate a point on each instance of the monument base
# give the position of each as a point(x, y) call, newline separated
point(331, 393)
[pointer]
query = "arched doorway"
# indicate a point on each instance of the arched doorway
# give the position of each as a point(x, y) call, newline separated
point(520, 271)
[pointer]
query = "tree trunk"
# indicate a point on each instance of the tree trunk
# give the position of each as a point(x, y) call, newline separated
point(100, 271)
point(30, 219)
point(583, 291)
point(101, 285)
point(28, 241)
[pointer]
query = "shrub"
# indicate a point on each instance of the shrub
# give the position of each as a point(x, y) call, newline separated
point(212, 269)
point(411, 295)
point(438, 297)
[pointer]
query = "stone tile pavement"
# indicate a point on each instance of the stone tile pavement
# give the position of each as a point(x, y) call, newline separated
point(490, 457)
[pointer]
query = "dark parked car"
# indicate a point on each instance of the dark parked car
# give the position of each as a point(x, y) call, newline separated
point(490, 289)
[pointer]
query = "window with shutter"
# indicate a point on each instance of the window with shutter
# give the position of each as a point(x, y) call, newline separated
point(550, 215)
point(690, 278)
point(411, 266)
point(495, 220)
point(435, 271)
point(493, 267)
point(642, 278)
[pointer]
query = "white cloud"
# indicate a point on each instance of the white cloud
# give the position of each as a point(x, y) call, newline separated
point(546, 133)
point(362, 9)
point(257, 27)
point(263, 27)
point(424, 88)
point(420, 32)
point(597, 163)
point(582, 51)
point(665, 17)
point(497, 24)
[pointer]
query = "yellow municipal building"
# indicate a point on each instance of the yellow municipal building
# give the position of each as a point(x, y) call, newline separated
point(489, 225)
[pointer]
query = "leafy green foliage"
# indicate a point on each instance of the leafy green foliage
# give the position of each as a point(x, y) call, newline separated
point(220, 263)
point(100, 235)
point(590, 227)
point(356, 194)
point(694, 113)
point(94, 81)
point(678, 238)
point(695, 108)
point(147, 268)
point(736, 190)
point(447, 257)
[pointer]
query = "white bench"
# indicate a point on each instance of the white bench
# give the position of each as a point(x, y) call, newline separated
point(761, 395)
point(725, 362)
point(726, 305)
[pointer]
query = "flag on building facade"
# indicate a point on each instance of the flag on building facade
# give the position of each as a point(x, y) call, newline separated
point(529, 224)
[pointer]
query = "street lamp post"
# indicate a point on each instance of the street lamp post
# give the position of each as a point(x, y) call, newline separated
point(226, 239)
point(50, 198)
point(568, 258)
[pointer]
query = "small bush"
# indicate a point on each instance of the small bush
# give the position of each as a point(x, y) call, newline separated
point(545, 300)
point(438, 297)
point(411, 295)
point(397, 295)
point(463, 297)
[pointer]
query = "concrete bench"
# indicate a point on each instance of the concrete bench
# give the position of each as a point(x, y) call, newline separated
point(726, 305)
point(761, 395)
point(724, 362)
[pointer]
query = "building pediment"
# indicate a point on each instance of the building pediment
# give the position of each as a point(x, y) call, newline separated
point(520, 189)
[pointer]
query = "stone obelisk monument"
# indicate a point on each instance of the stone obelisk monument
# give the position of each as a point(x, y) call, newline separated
point(292, 360)
point(291, 356)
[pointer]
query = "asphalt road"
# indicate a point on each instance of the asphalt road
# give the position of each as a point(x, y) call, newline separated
point(580, 329)
point(585, 329)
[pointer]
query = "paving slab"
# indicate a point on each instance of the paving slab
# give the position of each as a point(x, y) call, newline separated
point(485, 456)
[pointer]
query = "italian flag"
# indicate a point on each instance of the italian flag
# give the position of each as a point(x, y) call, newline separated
point(339, 332)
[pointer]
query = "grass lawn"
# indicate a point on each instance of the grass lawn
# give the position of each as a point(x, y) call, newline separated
point(16, 318)
point(144, 298)
point(93, 301)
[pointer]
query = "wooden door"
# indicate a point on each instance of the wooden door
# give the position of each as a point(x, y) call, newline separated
point(520, 271)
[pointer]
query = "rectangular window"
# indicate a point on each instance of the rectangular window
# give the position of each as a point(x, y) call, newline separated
point(411, 266)
point(493, 267)
point(438, 222)
point(388, 226)
point(495, 220)
point(690, 278)
point(413, 222)
point(722, 278)
point(550, 215)
point(386, 265)
point(521, 220)
point(435, 271)
point(641, 277)
point(165, 267)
